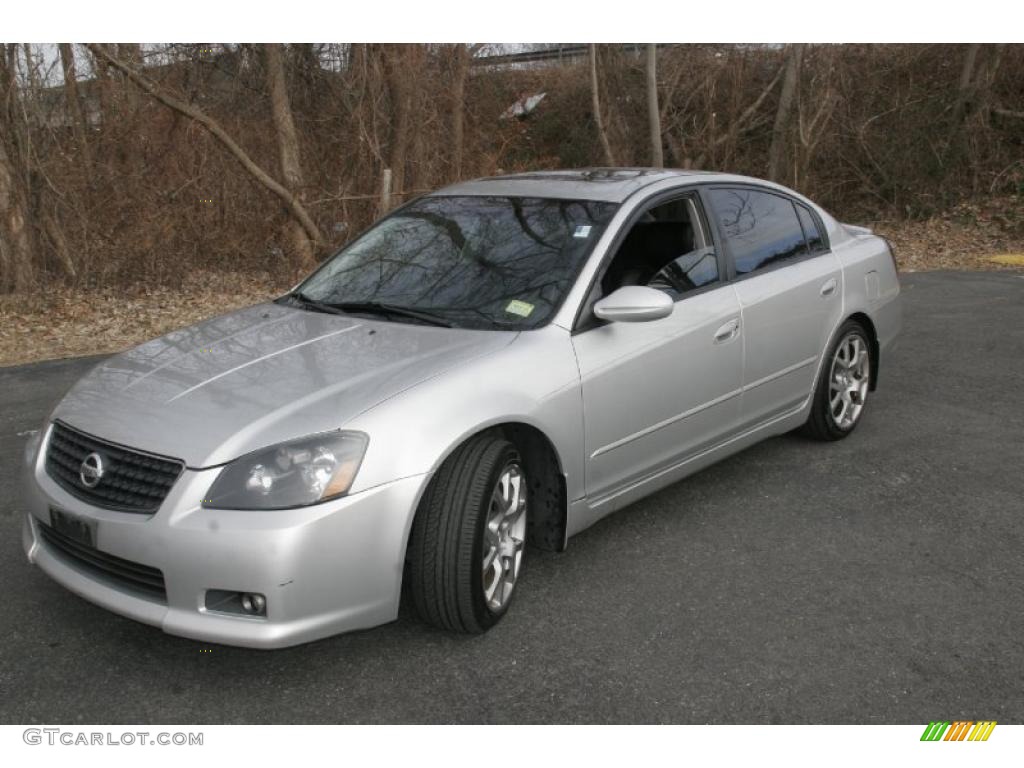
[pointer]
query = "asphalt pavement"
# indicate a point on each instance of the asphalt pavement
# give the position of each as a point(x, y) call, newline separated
point(875, 580)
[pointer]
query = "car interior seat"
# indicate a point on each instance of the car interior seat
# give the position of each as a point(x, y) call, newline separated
point(649, 246)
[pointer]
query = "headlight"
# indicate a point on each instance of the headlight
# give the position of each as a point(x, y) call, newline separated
point(293, 474)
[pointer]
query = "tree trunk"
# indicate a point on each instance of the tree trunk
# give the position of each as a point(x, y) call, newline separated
point(58, 243)
point(462, 55)
point(16, 265)
point(595, 96)
point(102, 69)
point(653, 112)
point(131, 54)
point(17, 268)
point(985, 79)
point(780, 131)
point(965, 91)
point(31, 69)
point(294, 205)
point(288, 147)
point(399, 66)
point(72, 99)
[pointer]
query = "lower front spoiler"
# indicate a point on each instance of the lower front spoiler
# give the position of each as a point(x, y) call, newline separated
point(310, 614)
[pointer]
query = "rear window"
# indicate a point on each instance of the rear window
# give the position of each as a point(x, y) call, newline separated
point(760, 228)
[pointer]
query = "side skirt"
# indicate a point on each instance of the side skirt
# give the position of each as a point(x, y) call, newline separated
point(584, 512)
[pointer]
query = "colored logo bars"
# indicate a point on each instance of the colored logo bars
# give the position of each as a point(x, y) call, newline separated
point(959, 730)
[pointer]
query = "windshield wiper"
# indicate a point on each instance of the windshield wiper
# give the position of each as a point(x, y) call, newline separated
point(369, 307)
point(319, 306)
point(377, 308)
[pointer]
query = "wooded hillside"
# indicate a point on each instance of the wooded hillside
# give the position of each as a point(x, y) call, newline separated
point(126, 164)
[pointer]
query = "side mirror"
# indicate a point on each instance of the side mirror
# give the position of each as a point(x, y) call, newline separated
point(634, 304)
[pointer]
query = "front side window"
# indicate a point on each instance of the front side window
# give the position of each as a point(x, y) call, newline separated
point(476, 262)
point(761, 229)
point(664, 249)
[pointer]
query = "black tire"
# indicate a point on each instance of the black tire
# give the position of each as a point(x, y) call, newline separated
point(446, 543)
point(821, 424)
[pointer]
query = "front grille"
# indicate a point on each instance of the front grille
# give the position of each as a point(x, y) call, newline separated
point(132, 481)
point(124, 573)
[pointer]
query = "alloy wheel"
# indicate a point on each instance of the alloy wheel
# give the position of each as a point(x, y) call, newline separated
point(504, 537)
point(848, 380)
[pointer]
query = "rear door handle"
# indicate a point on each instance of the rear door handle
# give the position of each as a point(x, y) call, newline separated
point(728, 331)
point(829, 287)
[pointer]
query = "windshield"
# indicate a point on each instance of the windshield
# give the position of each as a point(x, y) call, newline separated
point(476, 262)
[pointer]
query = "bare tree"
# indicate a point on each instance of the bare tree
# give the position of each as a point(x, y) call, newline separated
point(16, 262)
point(790, 84)
point(653, 112)
point(130, 54)
point(101, 69)
point(977, 76)
point(288, 148)
point(72, 99)
point(965, 91)
point(401, 62)
point(747, 119)
point(294, 205)
point(595, 96)
point(17, 266)
point(460, 71)
point(811, 126)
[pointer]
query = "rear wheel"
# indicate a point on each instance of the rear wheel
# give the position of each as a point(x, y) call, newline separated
point(468, 539)
point(843, 384)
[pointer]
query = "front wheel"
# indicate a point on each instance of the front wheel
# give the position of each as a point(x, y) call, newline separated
point(843, 384)
point(468, 539)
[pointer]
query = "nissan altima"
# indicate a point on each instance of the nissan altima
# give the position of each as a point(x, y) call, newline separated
point(489, 369)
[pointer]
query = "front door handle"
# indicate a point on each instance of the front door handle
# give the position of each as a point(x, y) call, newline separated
point(829, 287)
point(728, 331)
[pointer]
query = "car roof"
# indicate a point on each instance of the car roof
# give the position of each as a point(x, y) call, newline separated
point(614, 185)
point(608, 184)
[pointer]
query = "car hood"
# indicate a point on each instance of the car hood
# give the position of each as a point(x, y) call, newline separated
point(214, 391)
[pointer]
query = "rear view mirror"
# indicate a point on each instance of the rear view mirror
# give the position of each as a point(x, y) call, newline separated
point(634, 304)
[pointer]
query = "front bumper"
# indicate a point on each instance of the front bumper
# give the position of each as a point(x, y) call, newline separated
point(330, 568)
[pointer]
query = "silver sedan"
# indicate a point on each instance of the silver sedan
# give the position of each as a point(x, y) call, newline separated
point(498, 364)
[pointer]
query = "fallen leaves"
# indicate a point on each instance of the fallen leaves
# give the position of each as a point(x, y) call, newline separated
point(966, 237)
point(68, 323)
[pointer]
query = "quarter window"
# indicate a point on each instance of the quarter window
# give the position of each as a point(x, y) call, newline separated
point(815, 242)
point(760, 228)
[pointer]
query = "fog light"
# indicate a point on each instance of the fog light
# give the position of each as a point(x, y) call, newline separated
point(254, 603)
point(238, 603)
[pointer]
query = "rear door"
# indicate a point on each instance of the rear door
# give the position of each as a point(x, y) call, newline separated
point(788, 284)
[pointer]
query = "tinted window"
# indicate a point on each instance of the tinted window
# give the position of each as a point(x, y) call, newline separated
point(687, 273)
point(478, 262)
point(815, 242)
point(760, 228)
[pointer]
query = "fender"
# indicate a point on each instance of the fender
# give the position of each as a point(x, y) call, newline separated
point(414, 432)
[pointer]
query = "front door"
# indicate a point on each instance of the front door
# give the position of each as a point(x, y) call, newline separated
point(656, 392)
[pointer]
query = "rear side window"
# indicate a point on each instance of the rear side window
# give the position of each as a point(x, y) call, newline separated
point(760, 228)
point(815, 242)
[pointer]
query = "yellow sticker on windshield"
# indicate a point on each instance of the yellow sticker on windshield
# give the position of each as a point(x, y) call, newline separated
point(517, 307)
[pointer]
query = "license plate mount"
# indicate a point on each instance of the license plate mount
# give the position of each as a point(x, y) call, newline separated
point(76, 528)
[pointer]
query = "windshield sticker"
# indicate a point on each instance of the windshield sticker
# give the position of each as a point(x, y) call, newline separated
point(583, 230)
point(517, 307)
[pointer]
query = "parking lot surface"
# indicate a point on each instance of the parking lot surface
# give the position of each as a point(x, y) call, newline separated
point(875, 580)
